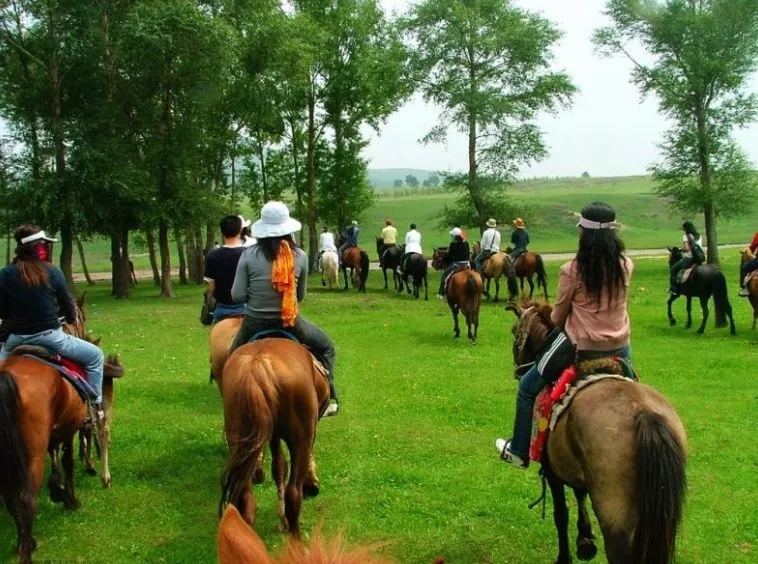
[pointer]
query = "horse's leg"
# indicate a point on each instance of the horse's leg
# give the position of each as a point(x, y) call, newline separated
point(85, 448)
point(55, 484)
point(456, 329)
point(689, 312)
point(22, 508)
point(69, 497)
point(531, 286)
point(497, 289)
point(586, 549)
point(670, 301)
point(105, 443)
point(300, 456)
point(279, 472)
point(487, 289)
point(426, 286)
point(560, 516)
point(311, 487)
point(704, 307)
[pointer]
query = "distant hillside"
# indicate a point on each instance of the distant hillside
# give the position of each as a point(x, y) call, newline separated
point(384, 178)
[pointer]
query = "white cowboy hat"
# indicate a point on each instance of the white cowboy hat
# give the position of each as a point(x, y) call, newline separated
point(455, 231)
point(491, 223)
point(38, 236)
point(245, 222)
point(275, 221)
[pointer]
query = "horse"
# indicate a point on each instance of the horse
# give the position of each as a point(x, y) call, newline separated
point(497, 265)
point(356, 259)
point(752, 285)
point(389, 260)
point(329, 265)
point(272, 391)
point(464, 293)
point(39, 412)
point(525, 266)
point(415, 266)
point(620, 442)
point(705, 281)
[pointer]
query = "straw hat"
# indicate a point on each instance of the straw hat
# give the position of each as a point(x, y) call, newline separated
point(518, 223)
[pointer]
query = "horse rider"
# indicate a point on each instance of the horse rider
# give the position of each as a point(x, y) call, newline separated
point(221, 266)
point(412, 245)
point(326, 243)
point(692, 245)
point(749, 266)
point(591, 307)
point(519, 239)
point(351, 238)
point(246, 236)
point(389, 236)
point(490, 245)
point(271, 280)
point(32, 292)
point(458, 253)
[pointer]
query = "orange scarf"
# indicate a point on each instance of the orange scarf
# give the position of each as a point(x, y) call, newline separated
point(283, 280)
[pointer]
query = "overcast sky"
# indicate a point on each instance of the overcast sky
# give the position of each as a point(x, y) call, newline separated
point(608, 131)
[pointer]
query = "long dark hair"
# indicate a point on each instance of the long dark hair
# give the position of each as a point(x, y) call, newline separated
point(600, 259)
point(33, 270)
point(689, 229)
point(270, 246)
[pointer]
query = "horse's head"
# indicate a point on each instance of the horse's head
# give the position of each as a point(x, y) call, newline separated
point(440, 258)
point(77, 328)
point(532, 327)
point(476, 248)
point(379, 245)
point(675, 254)
point(745, 255)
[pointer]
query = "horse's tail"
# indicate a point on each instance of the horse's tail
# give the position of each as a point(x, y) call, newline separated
point(253, 410)
point(14, 455)
point(660, 488)
point(364, 269)
point(721, 300)
point(541, 274)
point(471, 290)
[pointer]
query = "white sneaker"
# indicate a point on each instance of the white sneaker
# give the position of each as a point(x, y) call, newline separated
point(504, 451)
point(744, 293)
point(333, 409)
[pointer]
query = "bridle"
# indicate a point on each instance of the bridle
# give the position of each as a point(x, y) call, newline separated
point(522, 331)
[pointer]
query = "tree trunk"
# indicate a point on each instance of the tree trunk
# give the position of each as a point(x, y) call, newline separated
point(8, 247)
point(299, 206)
point(264, 176)
point(119, 282)
point(473, 184)
point(85, 270)
point(126, 263)
point(150, 237)
point(182, 257)
point(167, 290)
point(311, 189)
point(189, 238)
point(706, 183)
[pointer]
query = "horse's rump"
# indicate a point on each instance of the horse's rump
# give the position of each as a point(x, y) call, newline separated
point(220, 340)
point(69, 370)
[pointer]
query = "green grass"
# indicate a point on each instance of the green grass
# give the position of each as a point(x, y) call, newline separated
point(409, 462)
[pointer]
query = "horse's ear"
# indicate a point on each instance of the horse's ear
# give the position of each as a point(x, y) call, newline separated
point(544, 312)
point(237, 542)
point(80, 301)
point(515, 308)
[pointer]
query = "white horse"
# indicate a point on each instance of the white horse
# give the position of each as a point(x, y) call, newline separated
point(329, 265)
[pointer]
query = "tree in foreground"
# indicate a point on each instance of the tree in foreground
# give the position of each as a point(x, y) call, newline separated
point(487, 64)
point(703, 53)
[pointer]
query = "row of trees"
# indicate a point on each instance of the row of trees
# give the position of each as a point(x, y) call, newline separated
point(159, 115)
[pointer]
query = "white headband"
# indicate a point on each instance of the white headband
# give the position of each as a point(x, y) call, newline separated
point(589, 224)
point(39, 235)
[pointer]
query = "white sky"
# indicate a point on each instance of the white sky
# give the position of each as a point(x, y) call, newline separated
point(608, 131)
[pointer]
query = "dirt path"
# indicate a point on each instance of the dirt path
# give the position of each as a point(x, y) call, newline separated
point(147, 274)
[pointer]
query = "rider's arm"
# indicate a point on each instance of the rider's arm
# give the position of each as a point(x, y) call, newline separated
point(239, 288)
point(65, 301)
point(754, 244)
point(566, 288)
point(301, 271)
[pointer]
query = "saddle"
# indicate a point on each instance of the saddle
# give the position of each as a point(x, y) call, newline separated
point(284, 334)
point(449, 277)
point(554, 400)
point(750, 276)
point(71, 371)
point(684, 274)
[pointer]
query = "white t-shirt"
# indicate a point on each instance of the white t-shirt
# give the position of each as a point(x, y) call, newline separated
point(249, 241)
point(698, 241)
point(326, 242)
point(413, 242)
point(491, 240)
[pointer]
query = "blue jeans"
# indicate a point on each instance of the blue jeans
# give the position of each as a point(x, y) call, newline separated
point(479, 260)
point(224, 310)
point(746, 269)
point(530, 386)
point(516, 252)
point(447, 272)
point(56, 340)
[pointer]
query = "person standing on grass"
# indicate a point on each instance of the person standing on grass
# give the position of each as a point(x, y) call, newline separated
point(591, 307)
point(271, 280)
point(246, 236)
point(221, 266)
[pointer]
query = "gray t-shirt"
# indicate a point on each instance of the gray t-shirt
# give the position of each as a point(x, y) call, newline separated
point(252, 283)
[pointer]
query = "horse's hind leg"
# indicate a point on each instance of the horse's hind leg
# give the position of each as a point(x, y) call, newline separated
point(69, 499)
point(311, 487)
point(279, 473)
point(300, 456)
point(560, 517)
point(689, 312)
point(55, 485)
point(456, 329)
point(497, 289)
point(672, 320)
point(704, 307)
point(531, 287)
point(22, 508)
point(586, 549)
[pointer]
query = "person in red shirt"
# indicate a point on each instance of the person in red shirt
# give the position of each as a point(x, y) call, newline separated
point(749, 266)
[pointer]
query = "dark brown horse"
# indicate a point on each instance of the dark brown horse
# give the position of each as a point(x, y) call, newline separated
point(356, 259)
point(272, 391)
point(527, 265)
point(623, 444)
point(464, 293)
point(752, 285)
point(39, 411)
point(389, 259)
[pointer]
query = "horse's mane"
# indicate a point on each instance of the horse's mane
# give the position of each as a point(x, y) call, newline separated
point(533, 321)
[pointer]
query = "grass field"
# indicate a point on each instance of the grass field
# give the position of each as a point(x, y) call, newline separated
point(409, 463)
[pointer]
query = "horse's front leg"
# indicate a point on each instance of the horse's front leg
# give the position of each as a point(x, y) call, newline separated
point(69, 497)
point(689, 312)
point(586, 549)
point(704, 307)
point(279, 473)
point(487, 289)
point(55, 484)
point(497, 290)
point(384, 271)
point(531, 287)
point(560, 517)
point(426, 288)
point(344, 273)
point(670, 301)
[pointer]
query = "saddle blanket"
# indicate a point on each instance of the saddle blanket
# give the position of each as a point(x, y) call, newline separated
point(71, 371)
point(685, 274)
point(750, 276)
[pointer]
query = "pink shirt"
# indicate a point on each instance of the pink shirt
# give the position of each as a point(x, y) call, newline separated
point(590, 325)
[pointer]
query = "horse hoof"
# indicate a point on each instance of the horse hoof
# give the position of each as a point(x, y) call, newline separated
point(586, 549)
point(311, 490)
point(72, 504)
point(91, 472)
point(473, 341)
point(323, 283)
point(57, 494)
point(106, 482)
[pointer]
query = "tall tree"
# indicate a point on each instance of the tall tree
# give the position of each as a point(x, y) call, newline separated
point(487, 65)
point(703, 54)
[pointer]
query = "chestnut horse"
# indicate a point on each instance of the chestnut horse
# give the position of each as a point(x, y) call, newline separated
point(527, 265)
point(39, 411)
point(497, 265)
point(356, 259)
point(623, 444)
point(272, 391)
point(752, 285)
point(464, 293)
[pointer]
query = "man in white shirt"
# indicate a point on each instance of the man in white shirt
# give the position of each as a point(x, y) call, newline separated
point(412, 245)
point(326, 243)
point(490, 245)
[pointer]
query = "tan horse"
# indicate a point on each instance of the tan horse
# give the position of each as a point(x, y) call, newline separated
point(752, 285)
point(495, 267)
point(329, 269)
point(272, 392)
point(623, 444)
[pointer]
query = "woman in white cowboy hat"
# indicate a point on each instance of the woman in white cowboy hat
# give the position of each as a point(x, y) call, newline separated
point(271, 279)
point(246, 235)
point(519, 238)
point(490, 244)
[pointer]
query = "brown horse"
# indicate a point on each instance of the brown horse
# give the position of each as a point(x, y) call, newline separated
point(272, 391)
point(752, 285)
point(623, 444)
point(464, 293)
point(496, 266)
point(356, 259)
point(39, 411)
point(527, 265)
